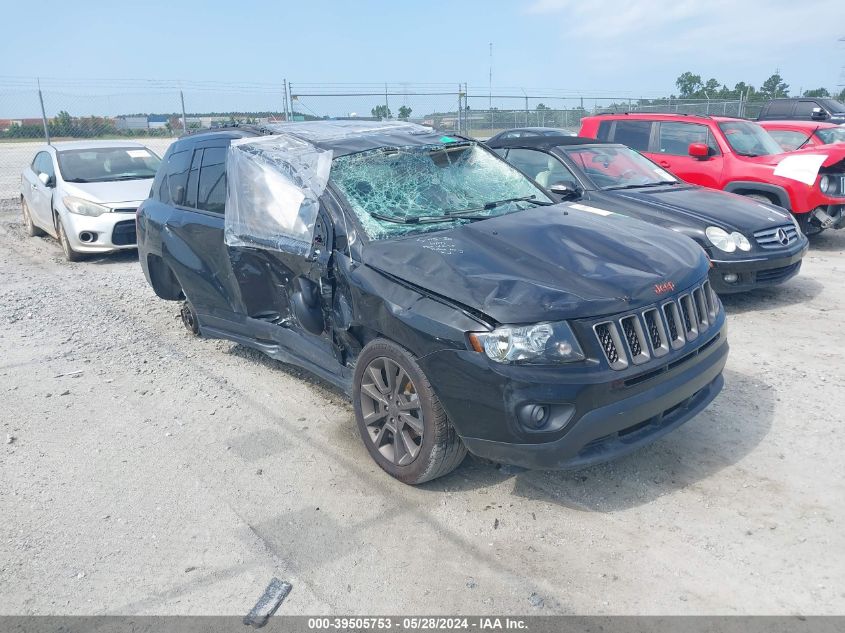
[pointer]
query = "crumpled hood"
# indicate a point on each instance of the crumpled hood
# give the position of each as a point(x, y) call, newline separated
point(110, 194)
point(544, 264)
point(834, 153)
point(700, 207)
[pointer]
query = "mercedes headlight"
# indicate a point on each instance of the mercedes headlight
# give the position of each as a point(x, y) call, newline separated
point(84, 207)
point(539, 344)
point(725, 241)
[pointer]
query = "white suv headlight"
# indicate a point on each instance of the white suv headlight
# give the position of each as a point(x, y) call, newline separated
point(725, 241)
point(84, 207)
point(539, 344)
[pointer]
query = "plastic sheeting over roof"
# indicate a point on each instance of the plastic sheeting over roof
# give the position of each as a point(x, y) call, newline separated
point(275, 182)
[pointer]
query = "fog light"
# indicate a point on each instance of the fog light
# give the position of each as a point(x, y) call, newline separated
point(533, 416)
point(730, 278)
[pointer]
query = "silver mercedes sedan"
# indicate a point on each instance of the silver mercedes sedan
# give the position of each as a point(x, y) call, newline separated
point(85, 193)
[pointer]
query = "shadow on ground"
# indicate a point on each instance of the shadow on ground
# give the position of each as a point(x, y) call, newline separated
point(797, 290)
point(730, 428)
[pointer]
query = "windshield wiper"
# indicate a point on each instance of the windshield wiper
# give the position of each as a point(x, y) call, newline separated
point(749, 154)
point(460, 214)
point(77, 180)
point(647, 184)
point(497, 203)
point(426, 219)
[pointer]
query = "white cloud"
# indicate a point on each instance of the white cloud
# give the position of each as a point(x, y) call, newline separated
point(703, 34)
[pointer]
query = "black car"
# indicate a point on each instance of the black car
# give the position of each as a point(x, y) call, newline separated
point(439, 288)
point(528, 132)
point(750, 243)
point(803, 109)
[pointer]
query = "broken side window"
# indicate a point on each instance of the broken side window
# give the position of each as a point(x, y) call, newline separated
point(274, 186)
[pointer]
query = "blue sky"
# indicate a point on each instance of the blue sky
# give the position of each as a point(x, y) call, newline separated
point(611, 48)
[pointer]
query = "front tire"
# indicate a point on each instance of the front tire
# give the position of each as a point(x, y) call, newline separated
point(760, 197)
point(28, 226)
point(70, 254)
point(400, 418)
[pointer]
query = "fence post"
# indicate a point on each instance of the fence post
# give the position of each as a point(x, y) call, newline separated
point(43, 113)
point(184, 118)
point(460, 112)
point(386, 106)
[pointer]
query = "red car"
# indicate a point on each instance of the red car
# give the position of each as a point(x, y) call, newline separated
point(738, 156)
point(792, 135)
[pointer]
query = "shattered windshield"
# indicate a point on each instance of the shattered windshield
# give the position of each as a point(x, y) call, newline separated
point(398, 190)
point(618, 167)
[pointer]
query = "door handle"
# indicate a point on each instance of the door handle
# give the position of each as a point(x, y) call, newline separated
point(33, 186)
point(663, 163)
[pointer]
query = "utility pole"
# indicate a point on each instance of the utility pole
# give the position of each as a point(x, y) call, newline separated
point(285, 89)
point(43, 114)
point(490, 85)
point(184, 118)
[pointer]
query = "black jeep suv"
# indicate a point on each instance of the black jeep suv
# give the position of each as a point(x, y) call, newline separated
point(440, 288)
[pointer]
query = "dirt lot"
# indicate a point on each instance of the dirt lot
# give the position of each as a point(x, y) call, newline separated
point(145, 471)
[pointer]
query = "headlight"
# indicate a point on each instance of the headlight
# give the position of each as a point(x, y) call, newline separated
point(543, 343)
point(824, 184)
point(725, 241)
point(84, 207)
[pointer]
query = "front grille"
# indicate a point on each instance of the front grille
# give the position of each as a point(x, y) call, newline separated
point(610, 343)
point(123, 233)
point(637, 338)
point(132, 210)
point(776, 274)
point(777, 237)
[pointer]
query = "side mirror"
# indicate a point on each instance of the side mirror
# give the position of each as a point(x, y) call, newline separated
point(699, 151)
point(565, 191)
point(818, 114)
point(45, 179)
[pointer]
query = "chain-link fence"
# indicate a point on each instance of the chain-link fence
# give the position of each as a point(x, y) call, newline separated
point(156, 112)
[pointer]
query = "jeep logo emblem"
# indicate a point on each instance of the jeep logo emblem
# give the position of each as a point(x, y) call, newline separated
point(665, 287)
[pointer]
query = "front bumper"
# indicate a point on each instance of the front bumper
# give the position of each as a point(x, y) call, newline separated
point(757, 272)
point(610, 413)
point(114, 231)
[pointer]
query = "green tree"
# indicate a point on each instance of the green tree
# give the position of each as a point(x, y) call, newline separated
point(841, 95)
point(404, 112)
point(543, 106)
point(381, 112)
point(774, 87)
point(63, 124)
point(689, 84)
point(711, 88)
point(817, 92)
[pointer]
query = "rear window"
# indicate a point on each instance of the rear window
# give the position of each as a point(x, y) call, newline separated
point(634, 134)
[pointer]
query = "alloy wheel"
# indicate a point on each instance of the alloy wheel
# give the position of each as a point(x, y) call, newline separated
point(392, 411)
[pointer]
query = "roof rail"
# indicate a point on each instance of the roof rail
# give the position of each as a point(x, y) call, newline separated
point(696, 114)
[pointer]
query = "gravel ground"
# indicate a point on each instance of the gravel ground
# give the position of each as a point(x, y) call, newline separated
point(144, 471)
